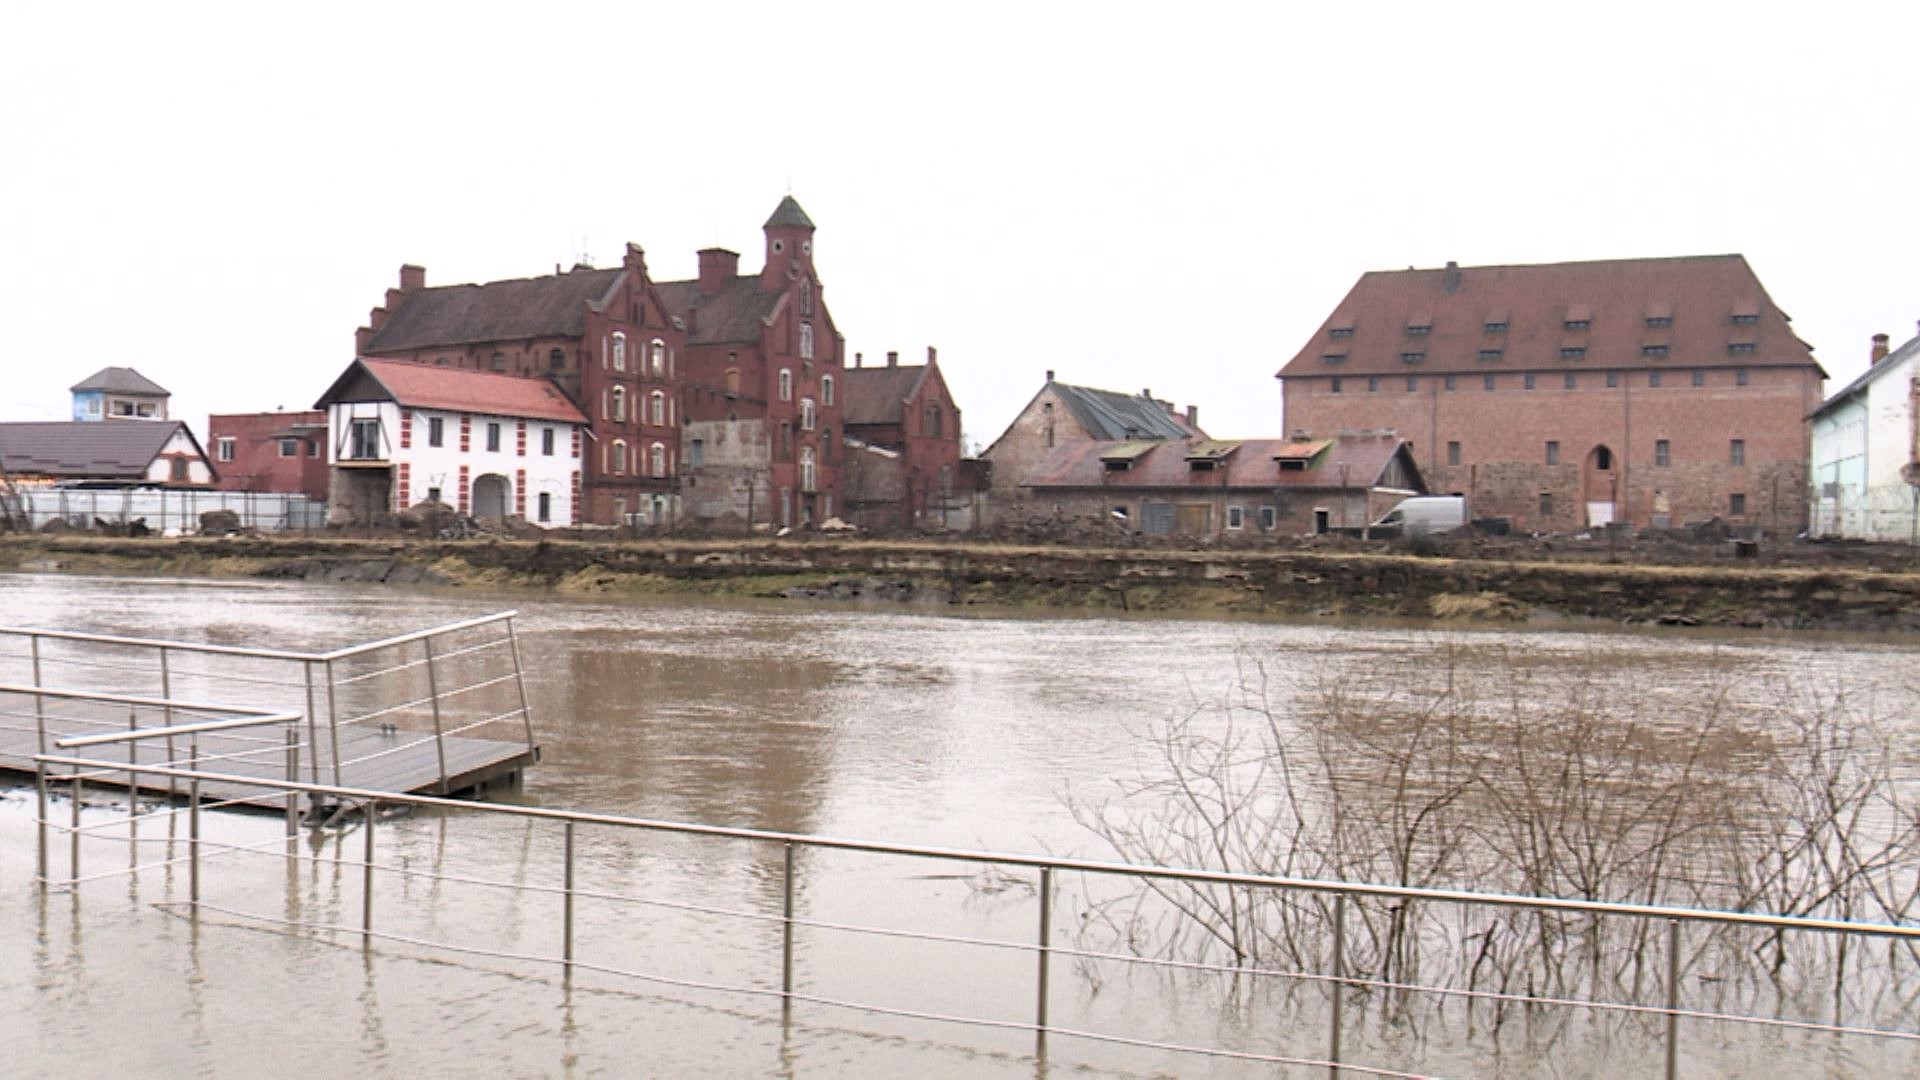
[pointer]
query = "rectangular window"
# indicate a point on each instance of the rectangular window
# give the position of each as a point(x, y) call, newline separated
point(1236, 517)
point(1741, 348)
point(436, 431)
point(1662, 455)
point(493, 438)
point(1373, 383)
point(1546, 504)
point(1699, 377)
point(1572, 381)
point(697, 453)
point(1412, 357)
point(546, 442)
point(1269, 518)
point(224, 449)
point(1579, 324)
point(546, 506)
point(1745, 319)
point(1488, 381)
point(365, 441)
point(1413, 383)
point(1653, 378)
point(1453, 453)
point(1737, 452)
point(289, 447)
point(1553, 452)
point(1494, 327)
point(1489, 354)
point(1659, 322)
point(1653, 350)
point(1333, 386)
point(1737, 504)
point(1527, 381)
point(433, 494)
point(1449, 381)
point(1573, 352)
point(1740, 377)
point(1334, 358)
point(1419, 330)
point(1613, 379)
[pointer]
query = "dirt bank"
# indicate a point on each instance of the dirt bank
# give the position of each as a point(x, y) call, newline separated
point(1291, 582)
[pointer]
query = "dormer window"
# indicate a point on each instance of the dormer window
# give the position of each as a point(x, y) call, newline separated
point(1340, 331)
point(1579, 324)
point(1746, 313)
point(1490, 354)
point(1419, 329)
point(1573, 352)
point(1740, 348)
point(1412, 357)
point(1657, 351)
point(1495, 322)
point(1579, 317)
point(1745, 320)
point(1659, 322)
point(1334, 358)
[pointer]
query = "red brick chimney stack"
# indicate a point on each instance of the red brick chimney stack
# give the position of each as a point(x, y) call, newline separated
point(893, 358)
point(717, 267)
point(930, 355)
point(859, 359)
point(412, 277)
point(1880, 349)
point(1193, 417)
point(636, 258)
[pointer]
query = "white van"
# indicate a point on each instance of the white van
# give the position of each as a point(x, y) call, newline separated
point(1419, 515)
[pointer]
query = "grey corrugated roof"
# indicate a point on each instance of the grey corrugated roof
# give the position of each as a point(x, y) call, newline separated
point(551, 306)
point(119, 380)
point(80, 450)
point(788, 214)
point(1885, 364)
point(878, 395)
point(734, 315)
point(1107, 415)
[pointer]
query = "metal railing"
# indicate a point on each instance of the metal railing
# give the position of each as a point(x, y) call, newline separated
point(362, 704)
point(1340, 981)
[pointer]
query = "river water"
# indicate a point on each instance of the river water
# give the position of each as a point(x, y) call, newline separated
point(915, 727)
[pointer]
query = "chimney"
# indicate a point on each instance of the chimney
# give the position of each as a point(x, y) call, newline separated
point(1049, 374)
point(1452, 280)
point(1193, 417)
point(412, 277)
point(1145, 393)
point(1880, 350)
point(893, 358)
point(394, 296)
point(930, 355)
point(362, 339)
point(376, 319)
point(859, 359)
point(636, 258)
point(717, 267)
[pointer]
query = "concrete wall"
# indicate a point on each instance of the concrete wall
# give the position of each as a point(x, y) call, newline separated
point(728, 489)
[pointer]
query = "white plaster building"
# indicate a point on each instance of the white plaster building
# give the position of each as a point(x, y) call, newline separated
point(491, 446)
point(1866, 452)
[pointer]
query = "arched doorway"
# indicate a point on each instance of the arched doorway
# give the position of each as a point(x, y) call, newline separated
point(490, 497)
point(1600, 486)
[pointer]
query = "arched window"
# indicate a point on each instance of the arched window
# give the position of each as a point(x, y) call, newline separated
point(659, 349)
point(619, 351)
point(733, 382)
point(659, 459)
point(786, 384)
point(806, 414)
point(806, 341)
point(826, 390)
point(619, 456)
point(556, 360)
point(932, 426)
point(806, 468)
point(620, 404)
point(806, 297)
point(659, 408)
point(826, 444)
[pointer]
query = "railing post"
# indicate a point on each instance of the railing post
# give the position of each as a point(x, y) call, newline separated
point(1339, 980)
point(1046, 951)
point(193, 826)
point(367, 814)
point(786, 930)
point(166, 691)
point(39, 703)
point(520, 680)
point(293, 777)
point(40, 795)
point(566, 945)
point(333, 725)
point(433, 696)
point(133, 762)
point(313, 730)
point(73, 835)
point(1673, 998)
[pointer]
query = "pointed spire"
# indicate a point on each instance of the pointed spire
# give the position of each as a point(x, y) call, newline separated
point(788, 215)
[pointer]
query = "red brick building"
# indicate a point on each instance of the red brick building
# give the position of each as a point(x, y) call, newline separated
point(603, 336)
point(762, 359)
point(1650, 391)
point(276, 451)
point(907, 412)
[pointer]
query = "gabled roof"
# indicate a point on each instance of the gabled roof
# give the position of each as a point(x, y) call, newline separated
point(1857, 386)
point(119, 380)
point(422, 386)
point(1624, 313)
point(1168, 465)
point(788, 215)
point(80, 450)
point(551, 306)
point(1109, 415)
point(735, 314)
point(879, 395)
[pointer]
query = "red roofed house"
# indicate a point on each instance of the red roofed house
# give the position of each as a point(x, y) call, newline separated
point(489, 445)
point(902, 463)
point(761, 405)
point(602, 336)
point(1649, 391)
point(271, 451)
point(1214, 487)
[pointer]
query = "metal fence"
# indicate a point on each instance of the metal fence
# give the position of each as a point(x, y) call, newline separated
point(1664, 1006)
point(166, 510)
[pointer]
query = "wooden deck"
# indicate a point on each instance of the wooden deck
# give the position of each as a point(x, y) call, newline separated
point(404, 761)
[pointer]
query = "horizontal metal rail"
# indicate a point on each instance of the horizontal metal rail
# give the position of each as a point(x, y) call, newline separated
point(255, 652)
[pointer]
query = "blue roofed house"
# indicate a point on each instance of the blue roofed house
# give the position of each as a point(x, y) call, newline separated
point(118, 393)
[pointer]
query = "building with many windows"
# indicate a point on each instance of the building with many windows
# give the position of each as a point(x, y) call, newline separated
point(1569, 395)
point(270, 452)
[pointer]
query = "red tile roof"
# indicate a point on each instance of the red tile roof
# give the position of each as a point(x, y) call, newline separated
point(420, 386)
point(1250, 466)
point(1701, 295)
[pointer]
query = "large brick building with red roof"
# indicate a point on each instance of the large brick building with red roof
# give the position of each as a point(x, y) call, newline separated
point(1649, 391)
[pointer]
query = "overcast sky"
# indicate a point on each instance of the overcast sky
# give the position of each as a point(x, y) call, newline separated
point(1168, 197)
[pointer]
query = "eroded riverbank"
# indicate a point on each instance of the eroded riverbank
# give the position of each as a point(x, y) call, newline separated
point(1278, 583)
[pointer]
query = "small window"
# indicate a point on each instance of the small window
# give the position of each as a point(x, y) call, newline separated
point(1527, 381)
point(806, 414)
point(806, 341)
point(436, 431)
point(1269, 518)
point(696, 453)
point(1333, 358)
point(930, 424)
point(826, 390)
point(1602, 458)
point(1333, 387)
point(1613, 379)
point(1419, 329)
point(1489, 381)
point(224, 449)
point(1740, 377)
point(1553, 452)
point(1573, 352)
point(1413, 383)
point(1490, 354)
point(1373, 383)
point(1659, 322)
point(659, 403)
point(1579, 324)
point(433, 494)
point(1653, 350)
point(786, 384)
point(1499, 327)
point(1449, 383)
point(619, 456)
point(658, 350)
point(1340, 331)
point(1662, 453)
point(733, 382)
point(1236, 517)
point(1412, 357)
point(493, 438)
point(1699, 377)
point(1453, 453)
point(1737, 504)
point(1737, 452)
point(1653, 378)
point(546, 442)
point(1546, 504)
point(619, 352)
point(1572, 381)
point(289, 447)
point(1747, 318)
point(619, 405)
point(659, 460)
point(1740, 348)
point(556, 360)
point(545, 511)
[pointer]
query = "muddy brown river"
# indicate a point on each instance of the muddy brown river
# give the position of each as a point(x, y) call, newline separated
point(915, 727)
